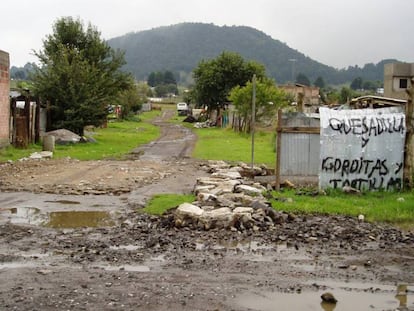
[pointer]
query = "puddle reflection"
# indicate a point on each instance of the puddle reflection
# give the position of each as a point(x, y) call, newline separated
point(60, 219)
point(78, 219)
point(348, 299)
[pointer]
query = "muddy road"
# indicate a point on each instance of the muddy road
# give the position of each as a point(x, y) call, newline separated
point(72, 238)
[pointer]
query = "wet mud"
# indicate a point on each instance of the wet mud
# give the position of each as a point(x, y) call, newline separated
point(80, 250)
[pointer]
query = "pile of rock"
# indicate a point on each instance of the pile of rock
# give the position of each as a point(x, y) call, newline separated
point(228, 200)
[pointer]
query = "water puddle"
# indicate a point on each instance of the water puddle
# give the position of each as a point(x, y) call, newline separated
point(370, 298)
point(128, 247)
point(244, 246)
point(78, 219)
point(22, 215)
point(57, 219)
point(68, 202)
point(17, 265)
point(128, 268)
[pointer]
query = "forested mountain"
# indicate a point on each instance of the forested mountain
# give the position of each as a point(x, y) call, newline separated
point(179, 48)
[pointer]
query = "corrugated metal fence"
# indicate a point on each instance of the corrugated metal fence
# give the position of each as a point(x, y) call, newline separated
point(298, 148)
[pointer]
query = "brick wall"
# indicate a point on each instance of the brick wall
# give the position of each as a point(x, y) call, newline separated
point(4, 98)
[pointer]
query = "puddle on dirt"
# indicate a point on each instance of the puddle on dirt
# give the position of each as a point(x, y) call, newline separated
point(26, 215)
point(78, 219)
point(59, 219)
point(154, 263)
point(244, 246)
point(128, 247)
point(17, 265)
point(69, 202)
point(348, 299)
point(128, 268)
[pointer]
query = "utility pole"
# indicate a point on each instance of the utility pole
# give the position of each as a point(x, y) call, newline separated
point(253, 115)
point(409, 143)
point(293, 60)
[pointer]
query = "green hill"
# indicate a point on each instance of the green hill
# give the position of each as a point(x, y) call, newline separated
point(179, 48)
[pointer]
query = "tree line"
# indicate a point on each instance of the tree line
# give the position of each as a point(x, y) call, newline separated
point(79, 75)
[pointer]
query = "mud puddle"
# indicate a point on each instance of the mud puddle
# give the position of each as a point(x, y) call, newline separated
point(152, 264)
point(59, 211)
point(58, 219)
point(357, 298)
point(79, 219)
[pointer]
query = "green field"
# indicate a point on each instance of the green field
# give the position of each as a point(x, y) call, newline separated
point(119, 138)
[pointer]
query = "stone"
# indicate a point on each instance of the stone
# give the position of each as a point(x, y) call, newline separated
point(204, 197)
point(348, 189)
point(206, 188)
point(215, 165)
point(243, 210)
point(64, 137)
point(227, 174)
point(328, 297)
point(188, 210)
point(208, 181)
point(249, 190)
point(218, 218)
point(42, 155)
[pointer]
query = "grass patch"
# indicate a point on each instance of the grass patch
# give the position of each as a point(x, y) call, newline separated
point(113, 142)
point(386, 207)
point(119, 138)
point(161, 203)
point(225, 144)
point(12, 153)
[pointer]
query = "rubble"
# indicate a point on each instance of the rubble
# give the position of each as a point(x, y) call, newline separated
point(226, 200)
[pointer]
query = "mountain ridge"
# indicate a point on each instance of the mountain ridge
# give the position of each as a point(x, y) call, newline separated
point(180, 47)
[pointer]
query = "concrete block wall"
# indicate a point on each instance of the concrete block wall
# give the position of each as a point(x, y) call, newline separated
point(4, 98)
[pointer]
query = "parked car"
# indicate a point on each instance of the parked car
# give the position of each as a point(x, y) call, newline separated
point(182, 109)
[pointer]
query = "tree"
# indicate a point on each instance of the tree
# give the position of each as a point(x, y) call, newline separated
point(302, 79)
point(157, 78)
point(269, 99)
point(356, 84)
point(319, 82)
point(132, 99)
point(79, 75)
point(215, 78)
point(169, 78)
point(346, 95)
point(163, 90)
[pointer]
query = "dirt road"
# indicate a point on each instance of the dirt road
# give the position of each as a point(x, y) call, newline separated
point(71, 239)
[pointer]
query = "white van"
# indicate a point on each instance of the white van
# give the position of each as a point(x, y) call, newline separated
point(182, 109)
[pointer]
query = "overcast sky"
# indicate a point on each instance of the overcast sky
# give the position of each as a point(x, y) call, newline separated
point(338, 33)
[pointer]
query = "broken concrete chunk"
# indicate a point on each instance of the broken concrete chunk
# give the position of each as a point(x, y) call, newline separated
point(218, 218)
point(207, 188)
point(203, 197)
point(249, 190)
point(243, 210)
point(188, 210)
point(227, 174)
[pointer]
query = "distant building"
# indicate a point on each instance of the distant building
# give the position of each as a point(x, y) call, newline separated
point(4, 98)
point(306, 97)
point(397, 79)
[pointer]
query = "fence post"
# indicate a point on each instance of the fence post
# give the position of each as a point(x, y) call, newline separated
point(408, 148)
point(278, 147)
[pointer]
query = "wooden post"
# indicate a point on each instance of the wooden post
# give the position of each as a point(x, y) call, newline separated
point(278, 147)
point(408, 147)
point(21, 140)
point(37, 121)
point(27, 114)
